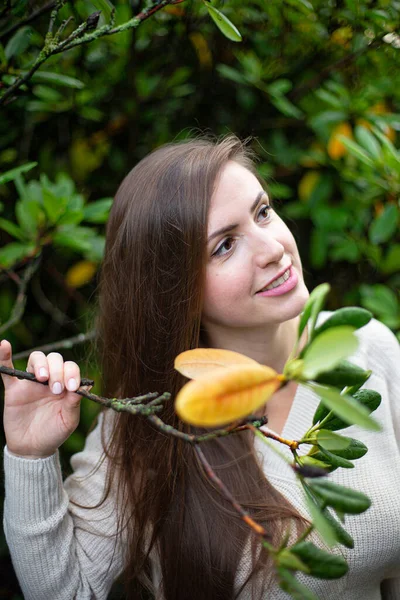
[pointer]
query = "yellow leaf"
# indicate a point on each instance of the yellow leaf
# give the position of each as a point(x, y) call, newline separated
point(202, 49)
point(80, 273)
point(197, 362)
point(335, 148)
point(307, 184)
point(342, 36)
point(226, 395)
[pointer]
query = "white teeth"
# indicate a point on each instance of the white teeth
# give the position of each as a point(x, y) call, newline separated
point(278, 281)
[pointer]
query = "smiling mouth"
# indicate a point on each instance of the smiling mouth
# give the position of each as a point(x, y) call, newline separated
point(277, 282)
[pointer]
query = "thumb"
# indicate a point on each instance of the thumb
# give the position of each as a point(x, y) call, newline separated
point(6, 361)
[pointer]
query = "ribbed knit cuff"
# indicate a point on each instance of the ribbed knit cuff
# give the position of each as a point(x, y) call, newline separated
point(34, 489)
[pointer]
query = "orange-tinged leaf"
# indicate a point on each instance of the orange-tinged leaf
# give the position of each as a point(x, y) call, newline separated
point(226, 395)
point(335, 147)
point(197, 362)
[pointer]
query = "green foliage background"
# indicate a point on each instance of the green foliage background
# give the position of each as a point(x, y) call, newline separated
point(305, 73)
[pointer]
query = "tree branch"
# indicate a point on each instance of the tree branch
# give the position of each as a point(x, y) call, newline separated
point(19, 306)
point(77, 38)
point(37, 13)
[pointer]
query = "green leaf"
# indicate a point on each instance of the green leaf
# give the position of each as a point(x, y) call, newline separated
point(331, 441)
point(223, 23)
point(19, 42)
point(313, 307)
point(286, 559)
point(340, 497)
point(328, 349)
point(13, 173)
point(354, 450)
point(313, 461)
point(286, 107)
point(29, 216)
point(356, 150)
point(321, 564)
point(14, 252)
point(382, 228)
point(391, 262)
point(345, 407)
point(342, 535)
point(380, 299)
point(368, 398)
point(56, 78)
point(12, 229)
point(97, 212)
point(73, 237)
point(298, 591)
point(333, 459)
point(343, 375)
point(53, 205)
point(3, 58)
point(349, 315)
point(319, 520)
point(367, 141)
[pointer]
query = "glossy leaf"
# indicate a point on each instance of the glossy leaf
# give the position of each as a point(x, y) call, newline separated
point(340, 497)
point(370, 399)
point(343, 536)
point(345, 374)
point(290, 584)
point(320, 563)
point(13, 173)
point(349, 315)
point(328, 349)
point(223, 23)
point(345, 407)
point(331, 441)
point(226, 395)
point(321, 524)
point(12, 229)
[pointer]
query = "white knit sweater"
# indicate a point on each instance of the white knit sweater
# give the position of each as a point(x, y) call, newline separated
point(63, 552)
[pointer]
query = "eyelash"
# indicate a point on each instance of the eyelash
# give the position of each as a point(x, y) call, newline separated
point(216, 253)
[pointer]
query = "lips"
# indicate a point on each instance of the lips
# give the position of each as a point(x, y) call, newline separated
point(282, 272)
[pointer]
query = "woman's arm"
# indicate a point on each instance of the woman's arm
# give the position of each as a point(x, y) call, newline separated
point(61, 551)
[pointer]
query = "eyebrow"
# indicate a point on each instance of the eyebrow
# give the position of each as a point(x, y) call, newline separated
point(234, 226)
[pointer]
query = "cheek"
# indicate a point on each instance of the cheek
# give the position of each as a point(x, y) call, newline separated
point(221, 289)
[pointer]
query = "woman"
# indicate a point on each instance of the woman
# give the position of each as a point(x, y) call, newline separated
point(195, 256)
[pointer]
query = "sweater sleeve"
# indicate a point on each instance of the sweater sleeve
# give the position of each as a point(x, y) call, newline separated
point(59, 550)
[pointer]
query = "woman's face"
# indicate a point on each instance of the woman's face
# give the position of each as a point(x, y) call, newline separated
point(242, 260)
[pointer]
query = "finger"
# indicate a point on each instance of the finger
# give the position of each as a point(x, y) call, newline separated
point(6, 361)
point(72, 376)
point(37, 364)
point(56, 372)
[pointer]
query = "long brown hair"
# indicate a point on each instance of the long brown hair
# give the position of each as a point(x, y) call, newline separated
point(149, 311)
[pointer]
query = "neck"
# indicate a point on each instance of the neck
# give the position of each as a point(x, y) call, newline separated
point(270, 347)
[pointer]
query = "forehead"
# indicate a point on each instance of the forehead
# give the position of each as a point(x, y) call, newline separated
point(235, 190)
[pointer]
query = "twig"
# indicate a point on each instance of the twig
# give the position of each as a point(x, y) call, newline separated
point(77, 38)
point(19, 306)
point(37, 13)
point(62, 344)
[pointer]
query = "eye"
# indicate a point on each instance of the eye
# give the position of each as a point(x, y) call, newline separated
point(264, 207)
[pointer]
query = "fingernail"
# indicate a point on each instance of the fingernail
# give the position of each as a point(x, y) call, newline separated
point(57, 388)
point(71, 385)
point(43, 372)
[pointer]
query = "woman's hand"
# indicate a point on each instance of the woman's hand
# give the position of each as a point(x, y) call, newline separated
point(38, 418)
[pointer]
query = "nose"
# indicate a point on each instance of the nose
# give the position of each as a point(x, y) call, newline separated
point(267, 249)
